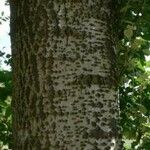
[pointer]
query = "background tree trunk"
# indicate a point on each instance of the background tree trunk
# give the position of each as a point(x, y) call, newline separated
point(63, 74)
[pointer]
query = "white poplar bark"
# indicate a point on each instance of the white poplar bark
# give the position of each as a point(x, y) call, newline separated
point(63, 72)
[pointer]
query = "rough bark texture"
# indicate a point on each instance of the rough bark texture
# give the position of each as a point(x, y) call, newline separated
point(64, 91)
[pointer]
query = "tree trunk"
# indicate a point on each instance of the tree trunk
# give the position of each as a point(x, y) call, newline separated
point(63, 75)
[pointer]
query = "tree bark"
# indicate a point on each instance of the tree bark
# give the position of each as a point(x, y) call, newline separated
point(64, 94)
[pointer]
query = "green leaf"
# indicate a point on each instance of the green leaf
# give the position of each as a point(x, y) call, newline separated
point(146, 51)
point(8, 111)
point(128, 32)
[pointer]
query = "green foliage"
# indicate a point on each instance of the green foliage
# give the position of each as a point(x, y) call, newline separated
point(135, 112)
point(134, 80)
point(5, 98)
point(5, 109)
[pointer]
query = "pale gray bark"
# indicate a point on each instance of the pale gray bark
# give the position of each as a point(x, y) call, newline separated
point(64, 76)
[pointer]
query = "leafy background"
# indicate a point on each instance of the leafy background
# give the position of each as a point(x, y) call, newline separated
point(133, 47)
point(134, 73)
